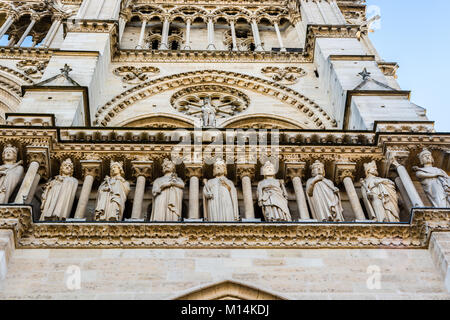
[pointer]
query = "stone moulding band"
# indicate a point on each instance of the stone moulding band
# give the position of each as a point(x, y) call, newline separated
point(415, 234)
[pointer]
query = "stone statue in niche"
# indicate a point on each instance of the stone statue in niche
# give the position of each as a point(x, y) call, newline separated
point(112, 195)
point(11, 173)
point(272, 196)
point(435, 181)
point(208, 113)
point(167, 195)
point(219, 196)
point(323, 196)
point(379, 195)
point(59, 194)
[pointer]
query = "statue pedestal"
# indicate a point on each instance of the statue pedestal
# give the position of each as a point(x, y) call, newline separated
point(76, 220)
point(134, 220)
point(250, 220)
point(308, 220)
point(192, 220)
point(365, 221)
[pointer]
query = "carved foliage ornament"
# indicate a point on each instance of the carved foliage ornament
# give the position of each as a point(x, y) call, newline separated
point(32, 68)
point(226, 101)
point(287, 75)
point(135, 75)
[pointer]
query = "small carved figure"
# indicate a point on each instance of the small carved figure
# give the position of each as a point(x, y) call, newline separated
point(435, 181)
point(208, 113)
point(379, 195)
point(220, 196)
point(167, 195)
point(59, 194)
point(272, 196)
point(323, 196)
point(112, 195)
point(11, 173)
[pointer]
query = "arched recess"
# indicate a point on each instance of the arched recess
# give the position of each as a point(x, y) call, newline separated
point(11, 82)
point(158, 121)
point(261, 121)
point(229, 290)
point(318, 118)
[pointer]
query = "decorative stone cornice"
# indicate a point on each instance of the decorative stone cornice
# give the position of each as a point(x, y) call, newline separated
point(415, 234)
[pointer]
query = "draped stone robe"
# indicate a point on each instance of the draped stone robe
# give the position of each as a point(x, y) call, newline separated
point(167, 198)
point(10, 176)
point(383, 205)
point(58, 198)
point(112, 195)
point(436, 188)
point(220, 200)
point(326, 201)
point(272, 197)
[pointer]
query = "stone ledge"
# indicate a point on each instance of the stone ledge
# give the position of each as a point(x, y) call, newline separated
point(440, 253)
point(6, 251)
point(415, 234)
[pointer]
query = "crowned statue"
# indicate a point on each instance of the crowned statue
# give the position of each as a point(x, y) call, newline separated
point(272, 196)
point(11, 173)
point(167, 195)
point(59, 194)
point(219, 196)
point(435, 181)
point(112, 195)
point(323, 196)
point(379, 195)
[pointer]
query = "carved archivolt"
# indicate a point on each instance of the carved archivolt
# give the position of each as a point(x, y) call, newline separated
point(287, 75)
point(227, 101)
point(318, 117)
point(135, 75)
point(261, 121)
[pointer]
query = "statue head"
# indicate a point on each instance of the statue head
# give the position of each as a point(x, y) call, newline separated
point(168, 166)
point(116, 169)
point(371, 168)
point(220, 168)
point(268, 170)
point(317, 168)
point(66, 168)
point(426, 158)
point(9, 153)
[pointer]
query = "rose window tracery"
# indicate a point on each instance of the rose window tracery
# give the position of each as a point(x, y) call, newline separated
point(226, 101)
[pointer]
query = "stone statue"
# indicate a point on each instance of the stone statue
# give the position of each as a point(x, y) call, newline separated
point(59, 194)
point(112, 195)
point(379, 195)
point(323, 196)
point(208, 113)
point(272, 196)
point(435, 181)
point(167, 195)
point(11, 173)
point(220, 196)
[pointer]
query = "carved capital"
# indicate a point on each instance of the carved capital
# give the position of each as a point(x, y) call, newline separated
point(396, 158)
point(344, 170)
point(295, 169)
point(194, 170)
point(41, 156)
point(246, 170)
point(91, 168)
point(142, 169)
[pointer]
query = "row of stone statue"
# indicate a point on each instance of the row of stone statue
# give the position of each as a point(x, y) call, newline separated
point(220, 196)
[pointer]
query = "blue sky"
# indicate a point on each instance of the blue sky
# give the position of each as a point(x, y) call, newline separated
point(416, 35)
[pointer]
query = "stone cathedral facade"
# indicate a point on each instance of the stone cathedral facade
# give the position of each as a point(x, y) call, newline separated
point(215, 149)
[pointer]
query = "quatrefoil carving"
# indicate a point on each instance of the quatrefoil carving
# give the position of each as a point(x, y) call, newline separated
point(287, 75)
point(135, 75)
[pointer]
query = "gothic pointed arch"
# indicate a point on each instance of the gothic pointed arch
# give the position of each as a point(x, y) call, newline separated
point(317, 116)
point(158, 121)
point(229, 290)
point(262, 121)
